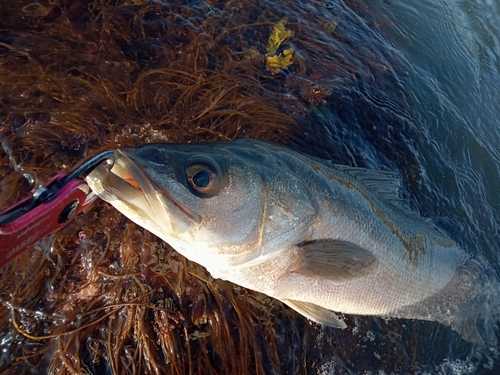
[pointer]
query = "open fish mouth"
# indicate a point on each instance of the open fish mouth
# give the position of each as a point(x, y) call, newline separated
point(125, 185)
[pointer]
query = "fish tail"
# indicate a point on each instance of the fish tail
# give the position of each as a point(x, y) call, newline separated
point(469, 304)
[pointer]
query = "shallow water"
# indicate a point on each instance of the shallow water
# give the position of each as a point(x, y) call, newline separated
point(408, 86)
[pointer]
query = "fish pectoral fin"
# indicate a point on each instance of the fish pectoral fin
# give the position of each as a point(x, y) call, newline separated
point(316, 313)
point(334, 260)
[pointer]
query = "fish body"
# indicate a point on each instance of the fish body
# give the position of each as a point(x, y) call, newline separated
point(320, 237)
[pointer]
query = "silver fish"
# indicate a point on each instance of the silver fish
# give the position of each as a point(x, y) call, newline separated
point(322, 238)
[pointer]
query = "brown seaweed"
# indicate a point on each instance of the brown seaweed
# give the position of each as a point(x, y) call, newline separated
point(102, 295)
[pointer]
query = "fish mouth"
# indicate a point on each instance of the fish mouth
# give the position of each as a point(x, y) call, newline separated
point(126, 186)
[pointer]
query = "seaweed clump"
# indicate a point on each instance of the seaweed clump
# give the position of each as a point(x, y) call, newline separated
point(102, 295)
point(110, 298)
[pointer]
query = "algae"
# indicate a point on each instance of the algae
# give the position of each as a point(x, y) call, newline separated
point(102, 295)
point(278, 61)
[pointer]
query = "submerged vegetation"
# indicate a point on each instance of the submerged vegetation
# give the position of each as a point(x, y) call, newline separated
point(102, 295)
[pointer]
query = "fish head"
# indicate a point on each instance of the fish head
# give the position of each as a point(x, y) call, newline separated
point(217, 204)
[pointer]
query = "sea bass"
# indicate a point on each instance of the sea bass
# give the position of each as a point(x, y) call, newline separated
point(322, 238)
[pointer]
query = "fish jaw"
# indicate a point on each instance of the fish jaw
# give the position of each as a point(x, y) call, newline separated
point(148, 192)
point(132, 192)
point(234, 225)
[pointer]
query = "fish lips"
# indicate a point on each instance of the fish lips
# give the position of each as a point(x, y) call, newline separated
point(126, 186)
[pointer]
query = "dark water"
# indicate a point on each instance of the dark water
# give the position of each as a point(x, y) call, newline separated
point(406, 86)
point(439, 127)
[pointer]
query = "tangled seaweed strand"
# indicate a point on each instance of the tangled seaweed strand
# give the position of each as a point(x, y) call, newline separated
point(87, 318)
point(102, 295)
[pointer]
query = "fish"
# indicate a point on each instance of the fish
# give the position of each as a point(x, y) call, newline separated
point(325, 239)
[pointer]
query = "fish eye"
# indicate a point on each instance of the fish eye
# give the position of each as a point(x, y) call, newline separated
point(201, 179)
point(205, 176)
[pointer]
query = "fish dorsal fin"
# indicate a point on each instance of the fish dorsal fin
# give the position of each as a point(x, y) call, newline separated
point(384, 183)
point(334, 260)
point(316, 313)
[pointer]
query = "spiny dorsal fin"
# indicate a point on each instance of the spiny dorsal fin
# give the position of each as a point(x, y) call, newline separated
point(384, 183)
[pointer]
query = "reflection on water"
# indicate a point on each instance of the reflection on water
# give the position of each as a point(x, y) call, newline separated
point(409, 86)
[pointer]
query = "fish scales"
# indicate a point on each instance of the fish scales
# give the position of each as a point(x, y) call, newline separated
point(345, 213)
point(320, 237)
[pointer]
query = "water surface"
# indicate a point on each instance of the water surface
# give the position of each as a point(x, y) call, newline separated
point(442, 133)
